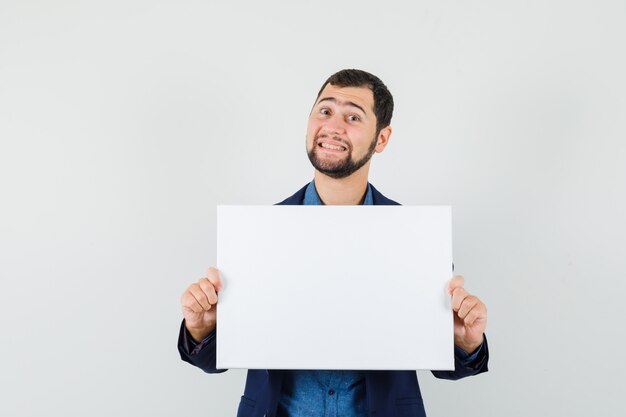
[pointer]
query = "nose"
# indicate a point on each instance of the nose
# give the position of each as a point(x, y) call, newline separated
point(333, 126)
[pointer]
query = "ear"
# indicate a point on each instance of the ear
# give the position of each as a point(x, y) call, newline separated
point(383, 139)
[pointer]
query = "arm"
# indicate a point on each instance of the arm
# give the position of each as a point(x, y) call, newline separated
point(197, 336)
point(470, 321)
point(200, 354)
point(463, 367)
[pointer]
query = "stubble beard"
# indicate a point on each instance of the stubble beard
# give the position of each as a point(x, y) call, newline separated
point(339, 168)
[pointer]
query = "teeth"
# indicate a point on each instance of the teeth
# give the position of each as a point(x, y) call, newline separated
point(329, 146)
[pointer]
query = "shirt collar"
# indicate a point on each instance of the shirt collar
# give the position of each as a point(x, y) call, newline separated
point(311, 198)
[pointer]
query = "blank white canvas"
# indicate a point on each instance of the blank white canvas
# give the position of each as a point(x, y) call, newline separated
point(335, 287)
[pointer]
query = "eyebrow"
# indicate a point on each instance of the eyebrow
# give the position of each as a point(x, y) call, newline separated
point(344, 103)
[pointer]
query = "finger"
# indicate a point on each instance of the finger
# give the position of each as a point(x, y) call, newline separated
point(479, 312)
point(468, 303)
point(472, 317)
point(458, 296)
point(199, 295)
point(209, 290)
point(213, 275)
point(190, 302)
point(457, 282)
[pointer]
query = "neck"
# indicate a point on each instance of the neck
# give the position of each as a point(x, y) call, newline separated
point(344, 191)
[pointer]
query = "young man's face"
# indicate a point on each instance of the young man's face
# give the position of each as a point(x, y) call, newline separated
point(341, 134)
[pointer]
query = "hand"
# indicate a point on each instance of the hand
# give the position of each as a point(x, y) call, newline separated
point(198, 305)
point(470, 316)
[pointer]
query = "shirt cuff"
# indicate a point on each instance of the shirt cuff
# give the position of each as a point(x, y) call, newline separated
point(193, 347)
point(465, 357)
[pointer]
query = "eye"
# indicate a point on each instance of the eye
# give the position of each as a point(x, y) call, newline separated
point(354, 118)
point(325, 111)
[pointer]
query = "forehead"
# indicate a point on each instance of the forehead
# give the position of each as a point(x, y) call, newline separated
point(362, 96)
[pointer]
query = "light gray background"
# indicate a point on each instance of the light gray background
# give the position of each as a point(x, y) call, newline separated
point(124, 123)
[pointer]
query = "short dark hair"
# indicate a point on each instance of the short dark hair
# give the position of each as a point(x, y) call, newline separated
point(383, 100)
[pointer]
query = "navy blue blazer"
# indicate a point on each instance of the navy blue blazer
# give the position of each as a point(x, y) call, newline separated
point(389, 393)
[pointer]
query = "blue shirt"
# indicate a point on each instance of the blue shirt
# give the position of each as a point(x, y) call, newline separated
point(311, 198)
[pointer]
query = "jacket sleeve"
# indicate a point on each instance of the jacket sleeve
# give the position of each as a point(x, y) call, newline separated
point(477, 366)
point(201, 354)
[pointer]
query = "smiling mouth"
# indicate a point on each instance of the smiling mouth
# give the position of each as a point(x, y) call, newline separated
point(329, 147)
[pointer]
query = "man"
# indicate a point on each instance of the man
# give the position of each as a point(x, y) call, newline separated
point(348, 123)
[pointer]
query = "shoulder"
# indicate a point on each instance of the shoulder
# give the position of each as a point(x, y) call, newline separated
point(295, 199)
point(381, 200)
